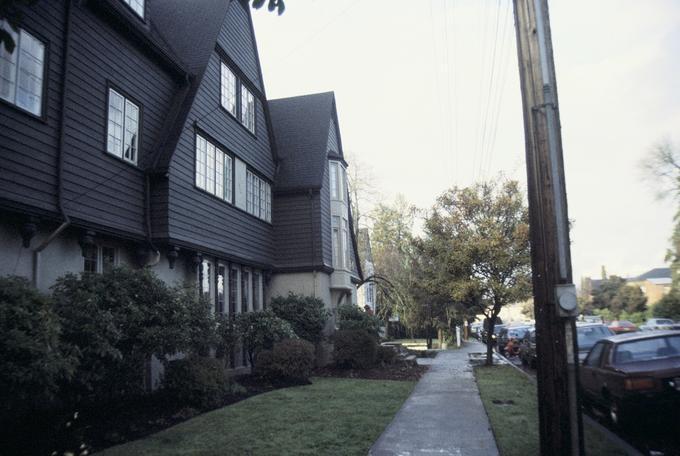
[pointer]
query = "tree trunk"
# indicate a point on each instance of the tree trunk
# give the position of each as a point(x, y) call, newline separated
point(490, 339)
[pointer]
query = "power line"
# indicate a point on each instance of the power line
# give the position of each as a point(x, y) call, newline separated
point(489, 90)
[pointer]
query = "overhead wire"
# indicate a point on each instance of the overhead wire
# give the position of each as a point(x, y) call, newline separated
point(443, 124)
point(488, 104)
point(506, 48)
point(484, 24)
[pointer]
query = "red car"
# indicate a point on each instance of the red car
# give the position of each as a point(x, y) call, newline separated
point(629, 375)
point(622, 326)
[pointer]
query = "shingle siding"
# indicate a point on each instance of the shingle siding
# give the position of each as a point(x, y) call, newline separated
point(199, 218)
point(98, 187)
point(28, 146)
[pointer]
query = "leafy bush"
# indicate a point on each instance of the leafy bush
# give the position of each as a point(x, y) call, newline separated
point(386, 354)
point(290, 359)
point(196, 381)
point(350, 317)
point(226, 336)
point(116, 321)
point(306, 314)
point(260, 330)
point(668, 306)
point(32, 358)
point(354, 348)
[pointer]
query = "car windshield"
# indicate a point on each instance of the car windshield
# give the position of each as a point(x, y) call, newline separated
point(647, 349)
point(664, 322)
point(516, 332)
point(588, 335)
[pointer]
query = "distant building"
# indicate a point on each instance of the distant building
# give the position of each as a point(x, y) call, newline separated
point(654, 283)
point(367, 293)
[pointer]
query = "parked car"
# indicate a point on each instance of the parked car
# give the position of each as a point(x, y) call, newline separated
point(496, 330)
point(587, 334)
point(527, 348)
point(629, 375)
point(592, 319)
point(622, 326)
point(512, 332)
point(654, 324)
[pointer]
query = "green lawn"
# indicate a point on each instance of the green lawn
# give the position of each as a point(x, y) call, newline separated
point(332, 416)
point(516, 425)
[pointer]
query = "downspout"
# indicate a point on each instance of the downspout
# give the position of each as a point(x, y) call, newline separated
point(311, 221)
point(60, 150)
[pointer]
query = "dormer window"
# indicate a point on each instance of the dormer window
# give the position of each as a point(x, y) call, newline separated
point(137, 6)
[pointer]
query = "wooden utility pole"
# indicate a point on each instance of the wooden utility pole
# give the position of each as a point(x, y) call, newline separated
point(554, 294)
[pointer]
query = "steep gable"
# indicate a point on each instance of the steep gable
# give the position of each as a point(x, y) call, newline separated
point(302, 129)
point(238, 40)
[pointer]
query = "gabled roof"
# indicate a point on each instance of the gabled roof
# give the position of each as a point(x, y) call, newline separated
point(656, 273)
point(190, 29)
point(301, 126)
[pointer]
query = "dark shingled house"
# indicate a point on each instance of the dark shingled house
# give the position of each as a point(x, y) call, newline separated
point(137, 132)
point(316, 251)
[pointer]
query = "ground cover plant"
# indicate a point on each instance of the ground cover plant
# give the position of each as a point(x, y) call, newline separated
point(330, 416)
point(510, 401)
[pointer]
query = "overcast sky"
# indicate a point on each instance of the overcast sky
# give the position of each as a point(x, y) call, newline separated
point(428, 97)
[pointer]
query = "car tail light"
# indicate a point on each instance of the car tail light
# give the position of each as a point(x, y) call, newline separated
point(638, 384)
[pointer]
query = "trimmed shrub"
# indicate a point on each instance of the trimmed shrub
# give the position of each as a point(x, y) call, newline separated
point(196, 381)
point(306, 314)
point(354, 348)
point(386, 355)
point(33, 361)
point(226, 336)
point(115, 321)
point(290, 359)
point(260, 330)
point(351, 317)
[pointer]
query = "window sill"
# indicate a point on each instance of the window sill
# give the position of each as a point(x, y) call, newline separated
point(238, 121)
point(40, 118)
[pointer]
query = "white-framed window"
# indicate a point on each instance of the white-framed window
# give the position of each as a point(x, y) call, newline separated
point(221, 290)
point(228, 89)
point(122, 136)
point(257, 290)
point(345, 244)
point(246, 305)
point(247, 109)
point(98, 259)
point(338, 180)
point(258, 197)
point(22, 71)
point(206, 280)
point(137, 6)
point(213, 169)
point(337, 242)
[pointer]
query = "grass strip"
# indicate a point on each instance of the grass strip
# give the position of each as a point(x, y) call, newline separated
point(511, 403)
point(332, 416)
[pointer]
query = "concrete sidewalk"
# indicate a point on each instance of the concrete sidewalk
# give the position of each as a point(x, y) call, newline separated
point(444, 414)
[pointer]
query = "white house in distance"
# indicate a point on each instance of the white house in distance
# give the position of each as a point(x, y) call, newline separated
point(367, 293)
